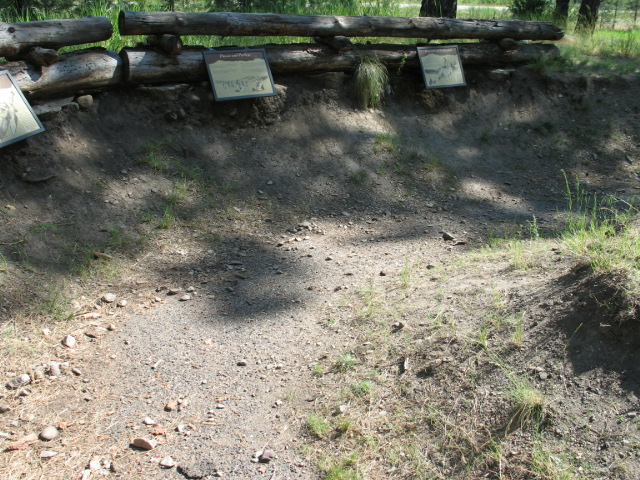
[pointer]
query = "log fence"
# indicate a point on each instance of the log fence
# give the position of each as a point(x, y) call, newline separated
point(40, 72)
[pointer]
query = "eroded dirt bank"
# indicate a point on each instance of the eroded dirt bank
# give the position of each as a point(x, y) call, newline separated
point(304, 231)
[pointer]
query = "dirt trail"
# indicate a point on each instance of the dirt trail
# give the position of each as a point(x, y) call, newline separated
point(289, 209)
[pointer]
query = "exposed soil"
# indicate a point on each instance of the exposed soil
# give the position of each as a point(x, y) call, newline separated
point(307, 230)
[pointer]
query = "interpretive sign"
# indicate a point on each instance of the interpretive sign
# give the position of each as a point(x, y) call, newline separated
point(17, 119)
point(237, 74)
point(441, 66)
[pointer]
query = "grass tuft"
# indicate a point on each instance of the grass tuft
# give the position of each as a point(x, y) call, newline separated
point(370, 79)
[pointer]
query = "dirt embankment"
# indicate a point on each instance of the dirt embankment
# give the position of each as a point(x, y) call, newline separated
point(319, 310)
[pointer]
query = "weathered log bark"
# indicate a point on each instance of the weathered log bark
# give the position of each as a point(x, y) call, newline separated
point(16, 38)
point(76, 72)
point(169, 44)
point(43, 57)
point(269, 24)
point(339, 44)
point(144, 66)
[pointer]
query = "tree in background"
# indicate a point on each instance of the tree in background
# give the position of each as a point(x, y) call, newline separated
point(588, 15)
point(439, 8)
point(561, 11)
point(528, 8)
point(273, 6)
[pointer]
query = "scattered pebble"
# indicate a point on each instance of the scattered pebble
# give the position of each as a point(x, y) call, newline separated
point(48, 454)
point(5, 408)
point(185, 297)
point(144, 443)
point(167, 462)
point(242, 363)
point(111, 327)
point(49, 433)
point(149, 421)
point(19, 381)
point(69, 341)
point(266, 456)
point(109, 297)
point(54, 369)
point(122, 303)
point(171, 405)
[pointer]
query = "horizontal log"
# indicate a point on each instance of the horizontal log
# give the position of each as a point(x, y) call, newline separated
point(42, 57)
point(143, 66)
point(269, 24)
point(76, 72)
point(16, 38)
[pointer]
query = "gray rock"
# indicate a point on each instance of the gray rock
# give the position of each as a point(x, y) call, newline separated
point(19, 381)
point(109, 297)
point(266, 456)
point(85, 101)
point(69, 341)
point(5, 408)
point(49, 433)
point(167, 462)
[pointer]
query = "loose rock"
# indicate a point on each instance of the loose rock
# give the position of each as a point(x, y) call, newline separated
point(19, 381)
point(167, 462)
point(49, 433)
point(144, 443)
point(69, 341)
point(109, 297)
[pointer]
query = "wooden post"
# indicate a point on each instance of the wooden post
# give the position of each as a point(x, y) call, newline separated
point(17, 38)
point(269, 24)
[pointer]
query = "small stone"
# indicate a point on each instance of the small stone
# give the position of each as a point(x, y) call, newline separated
point(266, 456)
point(54, 369)
point(171, 405)
point(144, 443)
point(109, 297)
point(242, 363)
point(167, 462)
point(49, 433)
point(47, 454)
point(149, 421)
point(122, 303)
point(111, 327)
point(19, 381)
point(383, 273)
point(191, 289)
point(173, 291)
point(38, 374)
point(69, 341)
point(185, 297)
point(5, 408)
point(447, 236)
point(85, 101)
point(95, 464)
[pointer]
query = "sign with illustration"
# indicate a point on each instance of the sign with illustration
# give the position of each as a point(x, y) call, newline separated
point(17, 119)
point(236, 74)
point(441, 66)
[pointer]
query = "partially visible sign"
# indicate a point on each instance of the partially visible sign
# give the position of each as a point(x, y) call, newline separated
point(17, 119)
point(236, 74)
point(441, 66)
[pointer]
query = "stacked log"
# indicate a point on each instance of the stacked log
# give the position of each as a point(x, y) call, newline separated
point(19, 38)
point(269, 24)
point(144, 66)
point(76, 72)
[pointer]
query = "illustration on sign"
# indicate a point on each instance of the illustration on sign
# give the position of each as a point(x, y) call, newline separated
point(17, 120)
point(441, 66)
point(236, 74)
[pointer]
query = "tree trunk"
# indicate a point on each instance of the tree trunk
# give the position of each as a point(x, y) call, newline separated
point(268, 24)
point(83, 70)
point(16, 38)
point(561, 11)
point(439, 8)
point(144, 66)
point(588, 15)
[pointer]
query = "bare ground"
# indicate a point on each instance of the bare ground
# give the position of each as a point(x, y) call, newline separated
point(329, 321)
